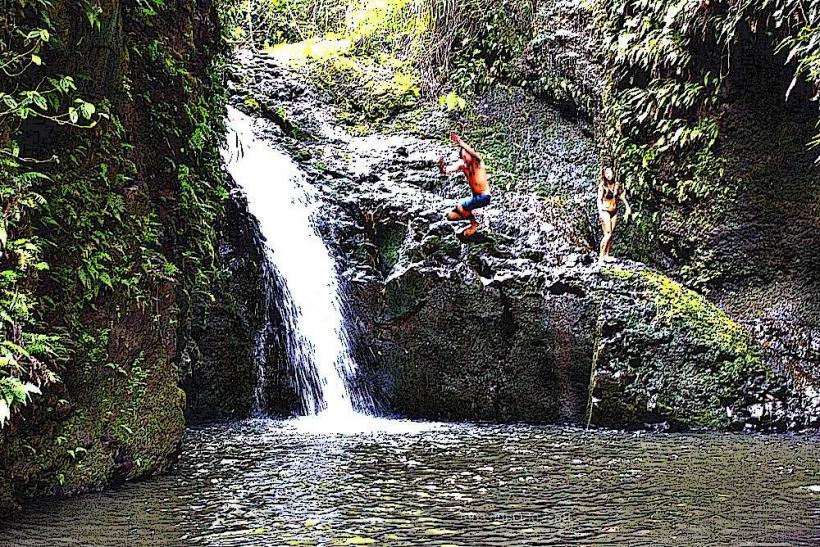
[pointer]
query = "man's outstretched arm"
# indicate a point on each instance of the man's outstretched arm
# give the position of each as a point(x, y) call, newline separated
point(456, 138)
point(450, 169)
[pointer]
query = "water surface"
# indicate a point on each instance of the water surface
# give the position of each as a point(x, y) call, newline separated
point(287, 483)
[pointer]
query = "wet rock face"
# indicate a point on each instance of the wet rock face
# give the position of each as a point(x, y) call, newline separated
point(242, 327)
point(520, 323)
point(562, 61)
point(762, 255)
point(222, 375)
point(221, 371)
point(753, 252)
point(459, 350)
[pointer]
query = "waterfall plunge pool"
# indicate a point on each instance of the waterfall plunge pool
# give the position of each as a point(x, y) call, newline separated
point(339, 477)
point(266, 482)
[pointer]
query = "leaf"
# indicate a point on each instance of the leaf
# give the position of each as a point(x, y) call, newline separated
point(106, 280)
point(791, 86)
point(87, 110)
point(18, 391)
point(36, 59)
point(16, 348)
point(67, 84)
point(72, 114)
point(40, 101)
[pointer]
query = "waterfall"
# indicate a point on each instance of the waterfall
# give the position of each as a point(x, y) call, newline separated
point(262, 337)
point(317, 343)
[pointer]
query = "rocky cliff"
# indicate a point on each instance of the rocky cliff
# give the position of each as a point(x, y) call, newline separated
point(734, 218)
point(125, 229)
point(521, 324)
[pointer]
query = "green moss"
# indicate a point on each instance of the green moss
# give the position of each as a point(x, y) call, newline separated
point(677, 304)
point(252, 103)
point(369, 89)
point(688, 363)
point(404, 294)
point(505, 161)
point(389, 244)
point(564, 92)
point(616, 272)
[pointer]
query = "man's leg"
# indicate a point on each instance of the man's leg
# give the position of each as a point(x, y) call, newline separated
point(476, 202)
point(473, 227)
point(459, 213)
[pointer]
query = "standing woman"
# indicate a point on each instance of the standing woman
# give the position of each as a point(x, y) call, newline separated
point(609, 192)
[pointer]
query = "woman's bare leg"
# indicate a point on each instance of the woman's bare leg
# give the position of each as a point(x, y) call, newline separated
point(613, 226)
point(606, 226)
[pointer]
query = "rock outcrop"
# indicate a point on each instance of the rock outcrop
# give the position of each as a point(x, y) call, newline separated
point(520, 323)
point(130, 209)
point(748, 241)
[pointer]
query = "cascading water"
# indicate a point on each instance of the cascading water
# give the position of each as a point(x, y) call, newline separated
point(317, 343)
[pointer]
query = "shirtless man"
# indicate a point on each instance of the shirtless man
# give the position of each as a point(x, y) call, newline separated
point(471, 164)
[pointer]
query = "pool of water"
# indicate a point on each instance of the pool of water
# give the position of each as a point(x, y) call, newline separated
point(265, 482)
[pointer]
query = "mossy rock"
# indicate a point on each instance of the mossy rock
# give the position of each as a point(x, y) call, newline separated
point(666, 353)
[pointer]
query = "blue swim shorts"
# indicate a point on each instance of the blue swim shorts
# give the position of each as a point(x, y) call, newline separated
point(475, 202)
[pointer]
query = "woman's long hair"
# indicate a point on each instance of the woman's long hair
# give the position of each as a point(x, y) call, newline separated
point(604, 180)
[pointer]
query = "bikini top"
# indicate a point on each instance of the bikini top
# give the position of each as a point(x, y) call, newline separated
point(610, 194)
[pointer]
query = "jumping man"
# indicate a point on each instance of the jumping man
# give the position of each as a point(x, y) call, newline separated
point(471, 164)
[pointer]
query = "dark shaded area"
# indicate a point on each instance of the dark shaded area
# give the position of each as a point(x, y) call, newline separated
point(761, 256)
point(117, 414)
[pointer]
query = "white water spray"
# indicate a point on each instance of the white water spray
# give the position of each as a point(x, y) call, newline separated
point(317, 343)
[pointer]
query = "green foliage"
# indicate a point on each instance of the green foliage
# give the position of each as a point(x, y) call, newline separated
point(28, 356)
point(359, 55)
point(669, 61)
point(395, 49)
point(369, 88)
point(472, 44)
point(804, 47)
point(452, 102)
point(84, 224)
point(13, 392)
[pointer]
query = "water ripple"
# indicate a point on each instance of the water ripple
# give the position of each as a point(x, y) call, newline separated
point(271, 483)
